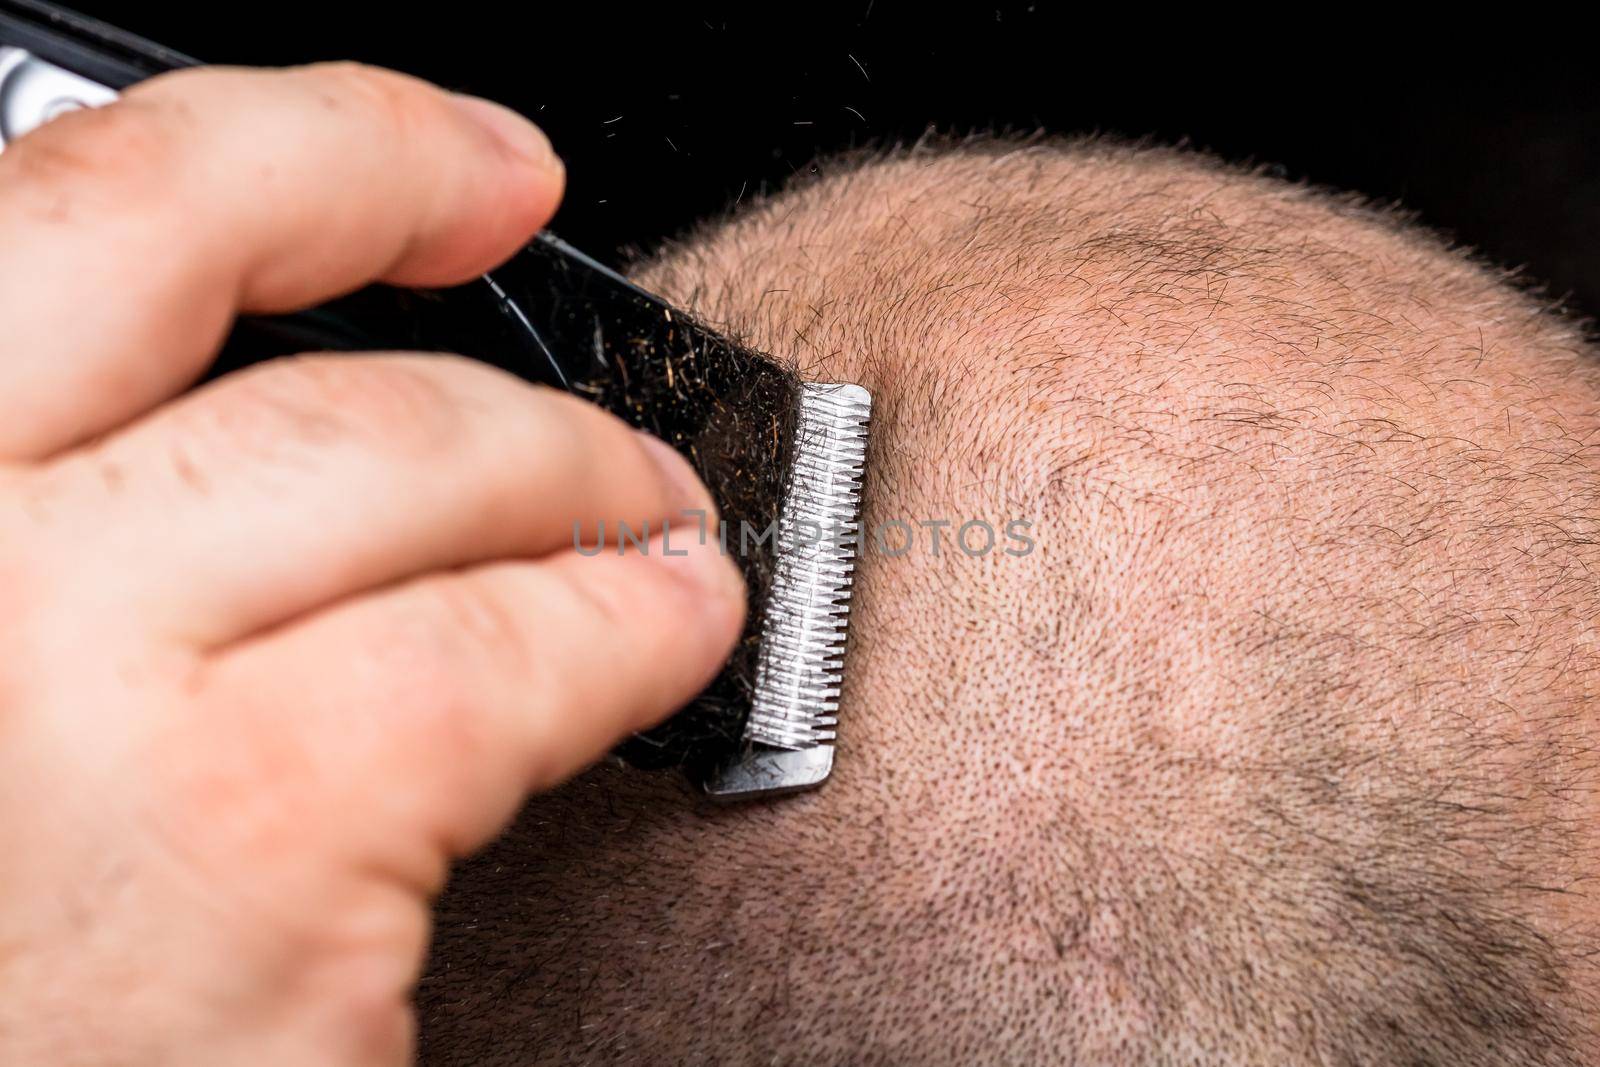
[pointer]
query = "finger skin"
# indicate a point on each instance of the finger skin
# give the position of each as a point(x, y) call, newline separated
point(131, 235)
point(277, 490)
point(461, 692)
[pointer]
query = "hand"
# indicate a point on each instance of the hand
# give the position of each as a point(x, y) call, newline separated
point(274, 652)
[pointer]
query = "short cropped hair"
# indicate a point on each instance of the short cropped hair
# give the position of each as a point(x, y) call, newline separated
point(1278, 748)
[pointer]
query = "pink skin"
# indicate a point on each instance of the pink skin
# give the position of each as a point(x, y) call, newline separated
point(277, 651)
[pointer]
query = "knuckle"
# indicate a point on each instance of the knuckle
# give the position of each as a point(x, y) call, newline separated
point(314, 401)
point(477, 617)
point(600, 604)
point(98, 157)
point(394, 101)
point(261, 413)
point(383, 394)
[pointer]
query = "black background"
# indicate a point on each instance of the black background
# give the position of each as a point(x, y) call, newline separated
point(671, 113)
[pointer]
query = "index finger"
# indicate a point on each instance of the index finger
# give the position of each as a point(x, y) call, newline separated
point(131, 235)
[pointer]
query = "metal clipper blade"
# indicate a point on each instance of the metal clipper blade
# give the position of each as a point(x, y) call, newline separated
point(790, 732)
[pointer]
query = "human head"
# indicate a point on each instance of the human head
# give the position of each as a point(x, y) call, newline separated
point(1278, 747)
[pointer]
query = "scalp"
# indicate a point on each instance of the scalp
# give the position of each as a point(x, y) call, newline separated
point(1277, 747)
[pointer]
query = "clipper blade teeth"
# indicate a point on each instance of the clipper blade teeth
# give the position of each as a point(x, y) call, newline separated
point(796, 700)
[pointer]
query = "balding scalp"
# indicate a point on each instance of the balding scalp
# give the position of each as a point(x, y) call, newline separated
point(1280, 747)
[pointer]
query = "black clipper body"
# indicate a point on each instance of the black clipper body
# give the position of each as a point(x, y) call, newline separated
point(781, 457)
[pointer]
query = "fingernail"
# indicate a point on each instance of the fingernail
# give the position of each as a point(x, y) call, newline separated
point(687, 490)
point(520, 138)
